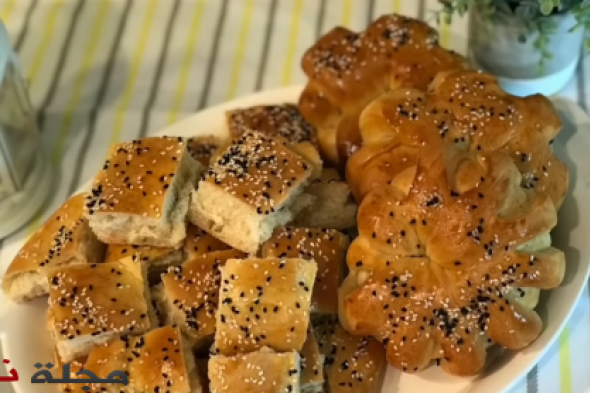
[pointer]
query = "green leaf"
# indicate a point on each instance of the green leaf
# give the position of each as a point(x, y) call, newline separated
point(546, 7)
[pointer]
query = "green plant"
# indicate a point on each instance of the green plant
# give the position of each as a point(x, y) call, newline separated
point(532, 13)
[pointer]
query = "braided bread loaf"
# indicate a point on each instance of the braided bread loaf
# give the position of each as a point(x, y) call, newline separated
point(347, 70)
point(459, 190)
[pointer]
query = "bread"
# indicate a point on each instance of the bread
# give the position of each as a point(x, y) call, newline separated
point(271, 120)
point(202, 148)
point(312, 365)
point(263, 371)
point(347, 70)
point(326, 247)
point(249, 190)
point(63, 239)
point(333, 206)
point(306, 150)
point(310, 153)
point(354, 364)
point(199, 243)
point(264, 302)
point(141, 195)
point(155, 362)
point(441, 234)
point(157, 259)
point(189, 295)
point(90, 304)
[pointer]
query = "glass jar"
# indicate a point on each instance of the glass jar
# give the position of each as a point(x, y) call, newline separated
point(25, 175)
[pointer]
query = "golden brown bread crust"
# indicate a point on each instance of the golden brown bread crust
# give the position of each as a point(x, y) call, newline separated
point(199, 243)
point(327, 247)
point(154, 362)
point(263, 371)
point(468, 111)
point(92, 299)
point(192, 293)
point(436, 257)
point(347, 70)
point(353, 364)
point(272, 120)
point(136, 176)
point(264, 302)
point(64, 238)
point(157, 259)
point(260, 171)
point(202, 148)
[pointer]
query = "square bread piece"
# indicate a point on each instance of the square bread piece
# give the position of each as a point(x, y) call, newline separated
point(353, 364)
point(65, 238)
point(189, 295)
point(199, 243)
point(157, 259)
point(327, 247)
point(158, 361)
point(141, 195)
point(202, 148)
point(264, 302)
point(263, 371)
point(90, 304)
point(333, 206)
point(312, 365)
point(249, 191)
point(272, 120)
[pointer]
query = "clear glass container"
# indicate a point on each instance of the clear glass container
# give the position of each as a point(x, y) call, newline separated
point(25, 174)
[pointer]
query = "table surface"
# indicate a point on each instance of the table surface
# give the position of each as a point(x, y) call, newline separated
point(103, 71)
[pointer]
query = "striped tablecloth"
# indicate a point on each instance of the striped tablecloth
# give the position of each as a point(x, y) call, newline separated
point(102, 71)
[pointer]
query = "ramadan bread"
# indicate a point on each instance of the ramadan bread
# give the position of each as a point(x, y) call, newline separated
point(158, 361)
point(263, 371)
point(272, 120)
point(199, 243)
point(157, 259)
point(202, 148)
point(90, 304)
point(353, 364)
point(347, 70)
point(65, 238)
point(451, 223)
point(333, 205)
point(189, 296)
point(327, 248)
point(264, 302)
point(249, 191)
point(142, 193)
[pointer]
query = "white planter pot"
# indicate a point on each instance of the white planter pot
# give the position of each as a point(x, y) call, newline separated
point(495, 47)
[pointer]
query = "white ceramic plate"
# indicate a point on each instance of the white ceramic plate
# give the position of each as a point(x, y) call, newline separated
point(24, 341)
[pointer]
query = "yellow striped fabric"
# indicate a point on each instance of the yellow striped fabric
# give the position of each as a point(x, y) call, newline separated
point(292, 45)
point(136, 63)
point(240, 49)
point(189, 54)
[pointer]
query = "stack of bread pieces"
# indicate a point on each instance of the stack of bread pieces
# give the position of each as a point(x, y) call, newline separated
point(204, 264)
point(223, 264)
point(458, 189)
